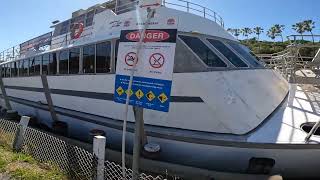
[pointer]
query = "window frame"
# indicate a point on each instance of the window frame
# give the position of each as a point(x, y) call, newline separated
point(59, 60)
point(94, 60)
point(79, 59)
point(230, 49)
point(242, 57)
point(228, 64)
point(111, 57)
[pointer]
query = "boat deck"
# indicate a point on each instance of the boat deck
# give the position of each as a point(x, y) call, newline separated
point(302, 106)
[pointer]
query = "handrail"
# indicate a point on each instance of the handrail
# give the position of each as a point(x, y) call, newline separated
point(193, 7)
point(190, 7)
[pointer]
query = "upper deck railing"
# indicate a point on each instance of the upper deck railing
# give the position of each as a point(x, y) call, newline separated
point(182, 5)
point(194, 8)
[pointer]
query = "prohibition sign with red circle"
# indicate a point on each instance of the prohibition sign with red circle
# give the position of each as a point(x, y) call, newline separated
point(156, 60)
point(130, 58)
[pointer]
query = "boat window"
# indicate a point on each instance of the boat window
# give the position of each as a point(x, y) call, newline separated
point(204, 53)
point(35, 66)
point(8, 69)
point(14, 69)
point(53, 64)
point(45, 64)
point(74, 56)
point(3, 70)
point(61, 28)
point(63, 62)
point(231, 56)
point(89, 59)
point(103, 57)
point(245, 54)
point(24, 67)
point(89, 18)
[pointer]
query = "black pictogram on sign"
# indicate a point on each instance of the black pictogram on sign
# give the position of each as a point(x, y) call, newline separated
point(156, 60)
point(130, 58)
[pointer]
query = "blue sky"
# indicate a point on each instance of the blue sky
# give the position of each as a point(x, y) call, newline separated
point(23, 20)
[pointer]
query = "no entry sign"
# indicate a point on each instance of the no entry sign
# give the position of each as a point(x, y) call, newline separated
point(152, 79)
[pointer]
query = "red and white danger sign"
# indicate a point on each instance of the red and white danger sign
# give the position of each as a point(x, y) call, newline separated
point(156, 56)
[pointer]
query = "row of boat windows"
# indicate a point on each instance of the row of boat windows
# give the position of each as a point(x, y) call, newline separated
point(96, 58)
point(211, 59)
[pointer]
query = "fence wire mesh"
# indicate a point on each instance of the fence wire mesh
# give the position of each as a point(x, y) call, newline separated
point(74, 161)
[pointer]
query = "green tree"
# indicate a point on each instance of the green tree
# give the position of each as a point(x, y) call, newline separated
point(279, 29)
point(237, 33)
point(272, 33)
point(234, 32)
point(258, 30)
point(309, 25)
point(246, 32)
point(299, 28)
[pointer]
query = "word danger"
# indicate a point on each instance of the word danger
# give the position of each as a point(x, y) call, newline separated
point(150, 36)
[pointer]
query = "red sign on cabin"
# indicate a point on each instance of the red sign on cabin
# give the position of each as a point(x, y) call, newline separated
point(150, 36)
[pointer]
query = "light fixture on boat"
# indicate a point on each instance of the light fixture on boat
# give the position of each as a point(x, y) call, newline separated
point(195, 32)
point(55, 22)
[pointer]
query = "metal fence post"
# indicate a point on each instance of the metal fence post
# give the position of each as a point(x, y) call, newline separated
point(19, 137)
point(99, 146)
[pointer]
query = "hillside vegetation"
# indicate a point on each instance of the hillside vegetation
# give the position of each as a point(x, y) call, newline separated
point(267, 47)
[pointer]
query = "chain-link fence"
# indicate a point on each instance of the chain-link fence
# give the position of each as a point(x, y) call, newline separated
point(74, 161)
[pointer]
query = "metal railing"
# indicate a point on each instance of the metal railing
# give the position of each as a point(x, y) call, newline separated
point(183, 5)
point(194, 8)
point(306, 37)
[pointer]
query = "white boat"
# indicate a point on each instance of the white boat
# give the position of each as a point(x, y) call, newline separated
point(227, 112)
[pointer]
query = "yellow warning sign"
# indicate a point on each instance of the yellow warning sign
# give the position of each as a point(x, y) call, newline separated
point(150, 96)
point(120, 91)
point(162, 98)
point(130, 92)
point(139, 94)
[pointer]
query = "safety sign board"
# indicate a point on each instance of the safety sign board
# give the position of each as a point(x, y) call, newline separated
point(152, 79)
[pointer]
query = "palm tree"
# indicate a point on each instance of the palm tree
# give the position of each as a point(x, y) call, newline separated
point(279, 29)
point(309, 25)
point(299, 28)
point(235, 32)
point(272, 33)
point(258, 30)
point(246, 32)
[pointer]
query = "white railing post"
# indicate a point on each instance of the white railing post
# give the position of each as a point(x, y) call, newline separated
point(19, 137)
point(99, 147)
point(188, 6)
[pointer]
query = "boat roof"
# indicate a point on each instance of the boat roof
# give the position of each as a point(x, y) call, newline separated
point(204, 21)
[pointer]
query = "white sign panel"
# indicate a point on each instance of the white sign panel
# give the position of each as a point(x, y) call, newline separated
point(153, 74)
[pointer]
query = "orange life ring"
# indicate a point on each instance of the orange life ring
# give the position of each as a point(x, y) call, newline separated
point(77, 29)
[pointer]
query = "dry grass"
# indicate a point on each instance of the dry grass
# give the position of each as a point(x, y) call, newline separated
point(21, 166)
